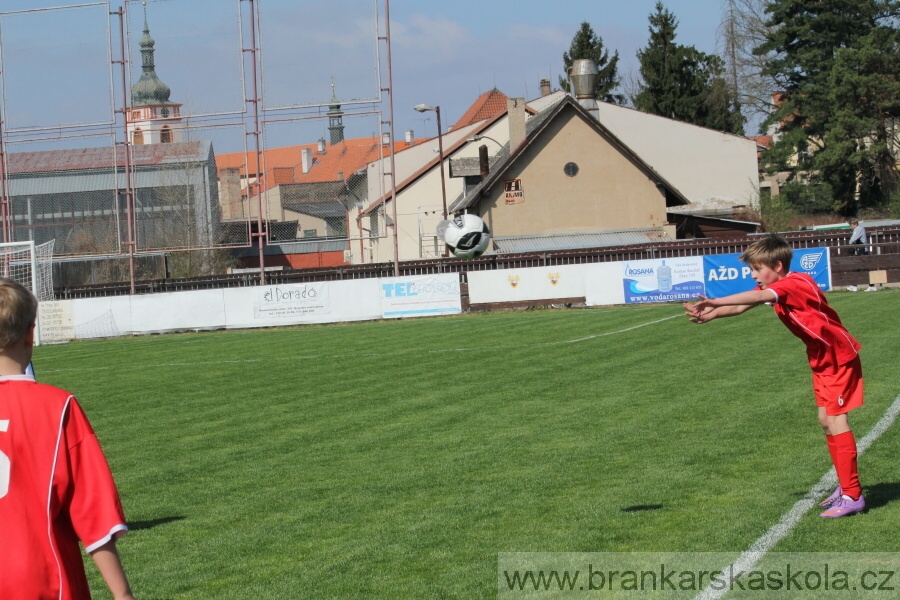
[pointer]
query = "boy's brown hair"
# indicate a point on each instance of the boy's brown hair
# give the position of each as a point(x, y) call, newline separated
point(769, 251)
point(18, 311)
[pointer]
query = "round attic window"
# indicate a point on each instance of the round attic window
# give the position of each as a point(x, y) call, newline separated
point(571, 169)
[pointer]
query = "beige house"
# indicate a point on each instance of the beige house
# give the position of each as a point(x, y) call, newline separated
point(563, 177)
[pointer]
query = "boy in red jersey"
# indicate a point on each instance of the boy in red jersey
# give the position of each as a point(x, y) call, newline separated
point(833, 354)
point(55, 484)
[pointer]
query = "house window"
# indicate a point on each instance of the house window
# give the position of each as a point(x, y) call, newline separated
point(138, 137)
point(571, 169)
point(309, 233)
point(166, 135)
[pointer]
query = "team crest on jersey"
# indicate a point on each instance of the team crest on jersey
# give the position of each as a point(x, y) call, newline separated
point(513, 280)
point(554, 278)
point(809, 261)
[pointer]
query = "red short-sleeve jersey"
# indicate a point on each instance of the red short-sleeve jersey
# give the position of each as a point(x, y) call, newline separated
point(802, 307)
point(56, 488)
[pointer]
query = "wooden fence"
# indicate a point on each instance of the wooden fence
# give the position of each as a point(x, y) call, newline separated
point(846, 269)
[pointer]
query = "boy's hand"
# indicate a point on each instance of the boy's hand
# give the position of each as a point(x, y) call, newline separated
point(700, 311)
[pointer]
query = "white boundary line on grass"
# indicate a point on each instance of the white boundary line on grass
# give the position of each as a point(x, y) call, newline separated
point(789, 520)
point(590, 337)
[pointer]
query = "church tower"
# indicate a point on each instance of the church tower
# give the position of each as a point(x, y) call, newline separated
point(151, 118)
point(335, 119)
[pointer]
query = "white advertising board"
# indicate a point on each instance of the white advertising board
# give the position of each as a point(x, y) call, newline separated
point(418, 296)
point(101, 317)
point(57, 321)
point(534, 283)
point(603, 284)
point(177, 311)
point(299, 303)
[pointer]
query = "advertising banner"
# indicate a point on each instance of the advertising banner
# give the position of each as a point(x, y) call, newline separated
point(663, 280)
point(420, 296)
point(292, 300)
point(532, 283)
point(57, 322)
point(725, 274)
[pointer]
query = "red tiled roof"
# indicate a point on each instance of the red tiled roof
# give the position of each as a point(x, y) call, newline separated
point(762, 140)
point(486, 106)
point(284, 165)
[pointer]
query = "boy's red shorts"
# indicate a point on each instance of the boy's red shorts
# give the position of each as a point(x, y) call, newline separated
point(841, 390)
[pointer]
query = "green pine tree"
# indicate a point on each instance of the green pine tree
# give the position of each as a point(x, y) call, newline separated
point(683, 83)
point(587, 44)
point(837, 64)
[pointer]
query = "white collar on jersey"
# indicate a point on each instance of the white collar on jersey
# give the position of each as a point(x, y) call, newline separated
point(17, 378)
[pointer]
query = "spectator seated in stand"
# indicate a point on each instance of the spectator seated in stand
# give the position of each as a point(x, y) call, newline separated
point(859, 239)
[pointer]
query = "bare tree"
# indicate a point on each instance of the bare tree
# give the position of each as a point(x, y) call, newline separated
point(742, 30)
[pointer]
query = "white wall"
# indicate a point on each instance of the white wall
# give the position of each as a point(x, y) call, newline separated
point(261, 306)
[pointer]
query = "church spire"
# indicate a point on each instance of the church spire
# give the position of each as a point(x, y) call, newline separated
point(149, 90)
point(335, 118)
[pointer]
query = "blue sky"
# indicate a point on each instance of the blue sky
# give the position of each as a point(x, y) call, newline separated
point(443, 53)
point(467, 47)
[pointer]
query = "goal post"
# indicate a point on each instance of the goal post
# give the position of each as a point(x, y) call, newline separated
point(31, 265)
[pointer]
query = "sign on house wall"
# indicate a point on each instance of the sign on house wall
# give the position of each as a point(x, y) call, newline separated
point(513, 191)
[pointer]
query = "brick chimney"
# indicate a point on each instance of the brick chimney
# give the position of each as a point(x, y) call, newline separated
point(516, 118)
point(306, 159)
point(545, 87)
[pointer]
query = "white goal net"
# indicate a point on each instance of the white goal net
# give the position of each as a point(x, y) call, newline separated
point(31, 265)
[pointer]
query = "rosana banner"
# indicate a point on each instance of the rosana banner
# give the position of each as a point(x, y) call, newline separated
point(662, 280)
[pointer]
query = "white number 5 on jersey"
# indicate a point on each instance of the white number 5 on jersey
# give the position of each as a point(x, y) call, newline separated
point(4, 464)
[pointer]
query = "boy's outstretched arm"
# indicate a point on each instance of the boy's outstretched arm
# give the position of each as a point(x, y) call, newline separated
point(707, 309)
point(106, 557)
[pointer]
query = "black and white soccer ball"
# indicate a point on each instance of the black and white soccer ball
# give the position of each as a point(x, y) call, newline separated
point(467, 236)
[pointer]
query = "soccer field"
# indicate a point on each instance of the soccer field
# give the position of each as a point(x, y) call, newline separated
point(398, 459)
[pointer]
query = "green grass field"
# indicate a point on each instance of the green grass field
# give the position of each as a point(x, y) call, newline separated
point(397, 459)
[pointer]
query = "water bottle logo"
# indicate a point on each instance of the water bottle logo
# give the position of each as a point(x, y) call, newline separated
point(664, 278)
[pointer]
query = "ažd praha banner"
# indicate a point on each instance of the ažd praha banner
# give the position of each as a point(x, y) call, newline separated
point(724, 274)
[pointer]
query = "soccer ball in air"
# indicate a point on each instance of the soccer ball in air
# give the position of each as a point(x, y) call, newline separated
point(467, 236)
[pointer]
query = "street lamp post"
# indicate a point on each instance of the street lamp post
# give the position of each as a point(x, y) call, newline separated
point(479, 136)
point(437, 111)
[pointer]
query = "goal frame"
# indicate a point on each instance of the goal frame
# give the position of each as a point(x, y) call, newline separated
point(32, 259)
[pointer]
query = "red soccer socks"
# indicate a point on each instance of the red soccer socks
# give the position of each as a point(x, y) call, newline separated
point(842, 448)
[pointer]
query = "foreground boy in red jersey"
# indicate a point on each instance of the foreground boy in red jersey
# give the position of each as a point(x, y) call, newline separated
point(833, 354)
point(55, 484)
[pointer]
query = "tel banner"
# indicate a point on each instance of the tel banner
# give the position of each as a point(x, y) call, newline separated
point(417, 296)
point(726, 275)
point(663, 280)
